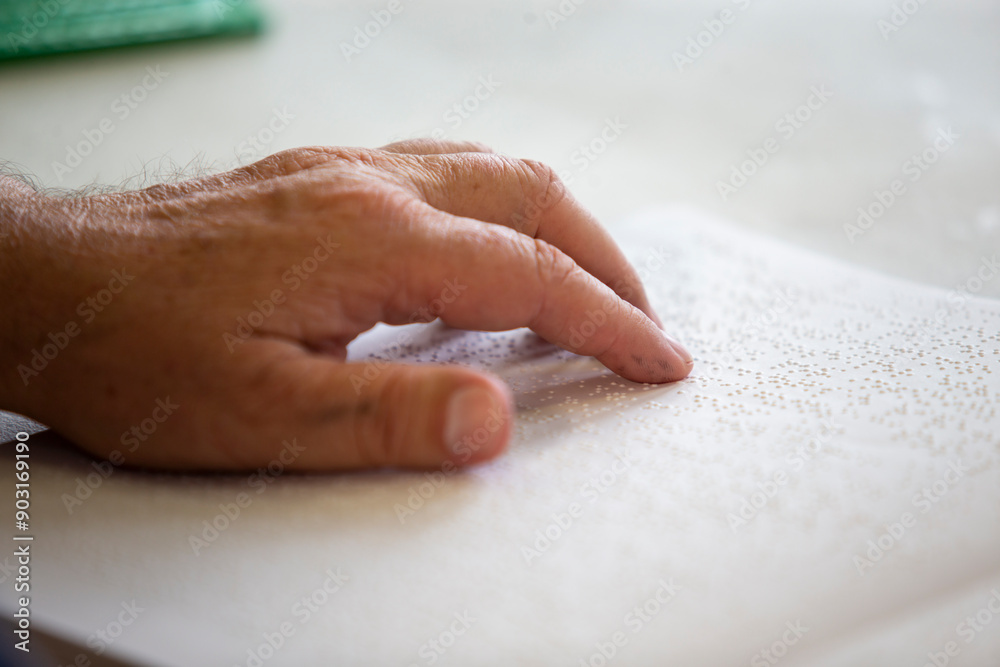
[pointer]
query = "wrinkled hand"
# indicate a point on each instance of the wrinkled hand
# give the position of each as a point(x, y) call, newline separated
point(202, 324)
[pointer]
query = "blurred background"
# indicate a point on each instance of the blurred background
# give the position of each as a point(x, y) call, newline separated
point(636, 102)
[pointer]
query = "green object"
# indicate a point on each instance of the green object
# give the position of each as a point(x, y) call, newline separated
point(38, 27)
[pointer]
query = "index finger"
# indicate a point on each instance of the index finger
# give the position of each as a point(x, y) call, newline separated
point(479, 276)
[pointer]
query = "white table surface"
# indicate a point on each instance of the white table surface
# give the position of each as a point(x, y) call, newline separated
point(683, 130)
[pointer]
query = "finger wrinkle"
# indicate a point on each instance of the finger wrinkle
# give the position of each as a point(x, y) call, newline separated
point(552, 269)
point(335, 413)
point(546, 187)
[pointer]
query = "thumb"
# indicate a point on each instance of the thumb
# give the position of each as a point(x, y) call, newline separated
point(354, 415)
point(421, 416)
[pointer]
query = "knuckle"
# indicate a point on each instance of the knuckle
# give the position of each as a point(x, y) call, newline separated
point(356, 198)
point(292, 160)
point(555, 268)
point(416, 145)
point(376, 202)
point(540, 171)
point(541, 190)
point(543, 182)
point(464, 165)
point(379, 424)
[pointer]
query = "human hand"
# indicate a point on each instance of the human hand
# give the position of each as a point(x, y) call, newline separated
point(168, 355)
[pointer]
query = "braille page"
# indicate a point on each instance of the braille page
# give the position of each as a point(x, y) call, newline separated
point(823, 489)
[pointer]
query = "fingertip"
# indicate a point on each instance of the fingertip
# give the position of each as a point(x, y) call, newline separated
point(668, 367)
point(681, 351)
point(648, 354)
point(677, 362)
point(477, 421)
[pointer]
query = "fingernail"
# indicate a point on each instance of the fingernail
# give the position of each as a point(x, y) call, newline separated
point(681, 350)
point(474, 424)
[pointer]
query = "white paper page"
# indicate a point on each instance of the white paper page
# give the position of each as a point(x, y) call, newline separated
point(825, 399)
